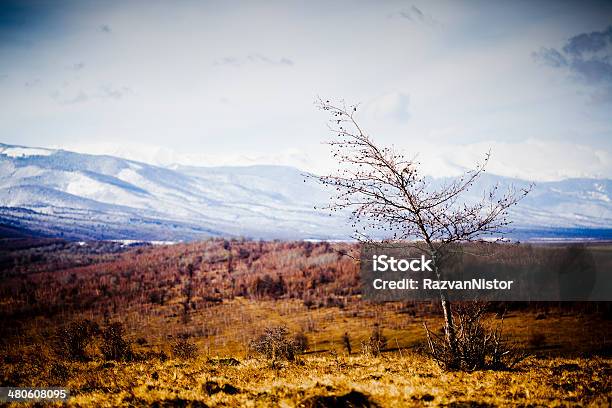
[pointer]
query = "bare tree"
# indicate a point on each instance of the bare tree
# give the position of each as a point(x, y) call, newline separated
point(388, 196)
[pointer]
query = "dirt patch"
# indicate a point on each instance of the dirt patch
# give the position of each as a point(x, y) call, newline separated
point(212, 387)
point(353, 399)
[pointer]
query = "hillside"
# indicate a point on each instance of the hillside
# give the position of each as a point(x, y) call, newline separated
point(80, 196)
point(184, 317)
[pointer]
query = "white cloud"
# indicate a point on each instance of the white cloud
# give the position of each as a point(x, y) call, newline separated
point(253, 59)
point(148, 77)
point(535, 160)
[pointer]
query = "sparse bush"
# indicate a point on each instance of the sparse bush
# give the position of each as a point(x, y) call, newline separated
point(478, 347)
point(267, 286)
point(275, 344)
point(74, 339)
point(332, 301)
point(346, 342)
point(377, 341)
point(58, 374)
point(301, 342)
point(184, 349)
point(157, 297)
point(114, 346)
point(309, 303)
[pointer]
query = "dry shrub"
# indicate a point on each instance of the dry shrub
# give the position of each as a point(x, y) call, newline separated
point(184, 349)
point(346, 342)
point(376, 342)
point(74, 339)
point(26, 366)
point(301, 342)
point(114, 346)
point(275, 344)
point(478, 345)
point(59, 373)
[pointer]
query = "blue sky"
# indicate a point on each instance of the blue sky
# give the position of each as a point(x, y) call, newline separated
point(235, 82)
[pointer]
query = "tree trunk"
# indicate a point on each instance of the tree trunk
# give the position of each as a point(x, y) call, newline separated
point(449, 326)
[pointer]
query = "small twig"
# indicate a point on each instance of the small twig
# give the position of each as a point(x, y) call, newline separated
point(398, 347)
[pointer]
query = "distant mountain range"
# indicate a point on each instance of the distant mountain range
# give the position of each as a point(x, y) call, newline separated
point(79, 196)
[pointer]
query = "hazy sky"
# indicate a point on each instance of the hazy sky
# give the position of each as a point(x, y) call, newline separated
point(234, 82)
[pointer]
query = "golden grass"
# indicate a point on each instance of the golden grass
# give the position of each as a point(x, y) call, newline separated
point(563, 371)
point(234, 322)
point(556, 374)
point(391, 380)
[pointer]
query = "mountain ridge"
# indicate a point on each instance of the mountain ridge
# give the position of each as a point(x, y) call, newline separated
point(84, 196)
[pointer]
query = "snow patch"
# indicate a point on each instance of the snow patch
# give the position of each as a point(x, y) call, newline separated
point(130, 176)
point(18, 152)
point(129, 242)
point(83, 186)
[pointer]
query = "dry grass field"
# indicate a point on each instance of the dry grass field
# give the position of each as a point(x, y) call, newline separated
point(393, 379)
point(174, 326)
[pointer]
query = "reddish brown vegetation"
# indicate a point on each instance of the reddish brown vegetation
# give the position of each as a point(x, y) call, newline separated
point(184, 277)
point(195, 289)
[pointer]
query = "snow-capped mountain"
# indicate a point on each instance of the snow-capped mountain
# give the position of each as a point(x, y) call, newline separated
point(82, 196)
